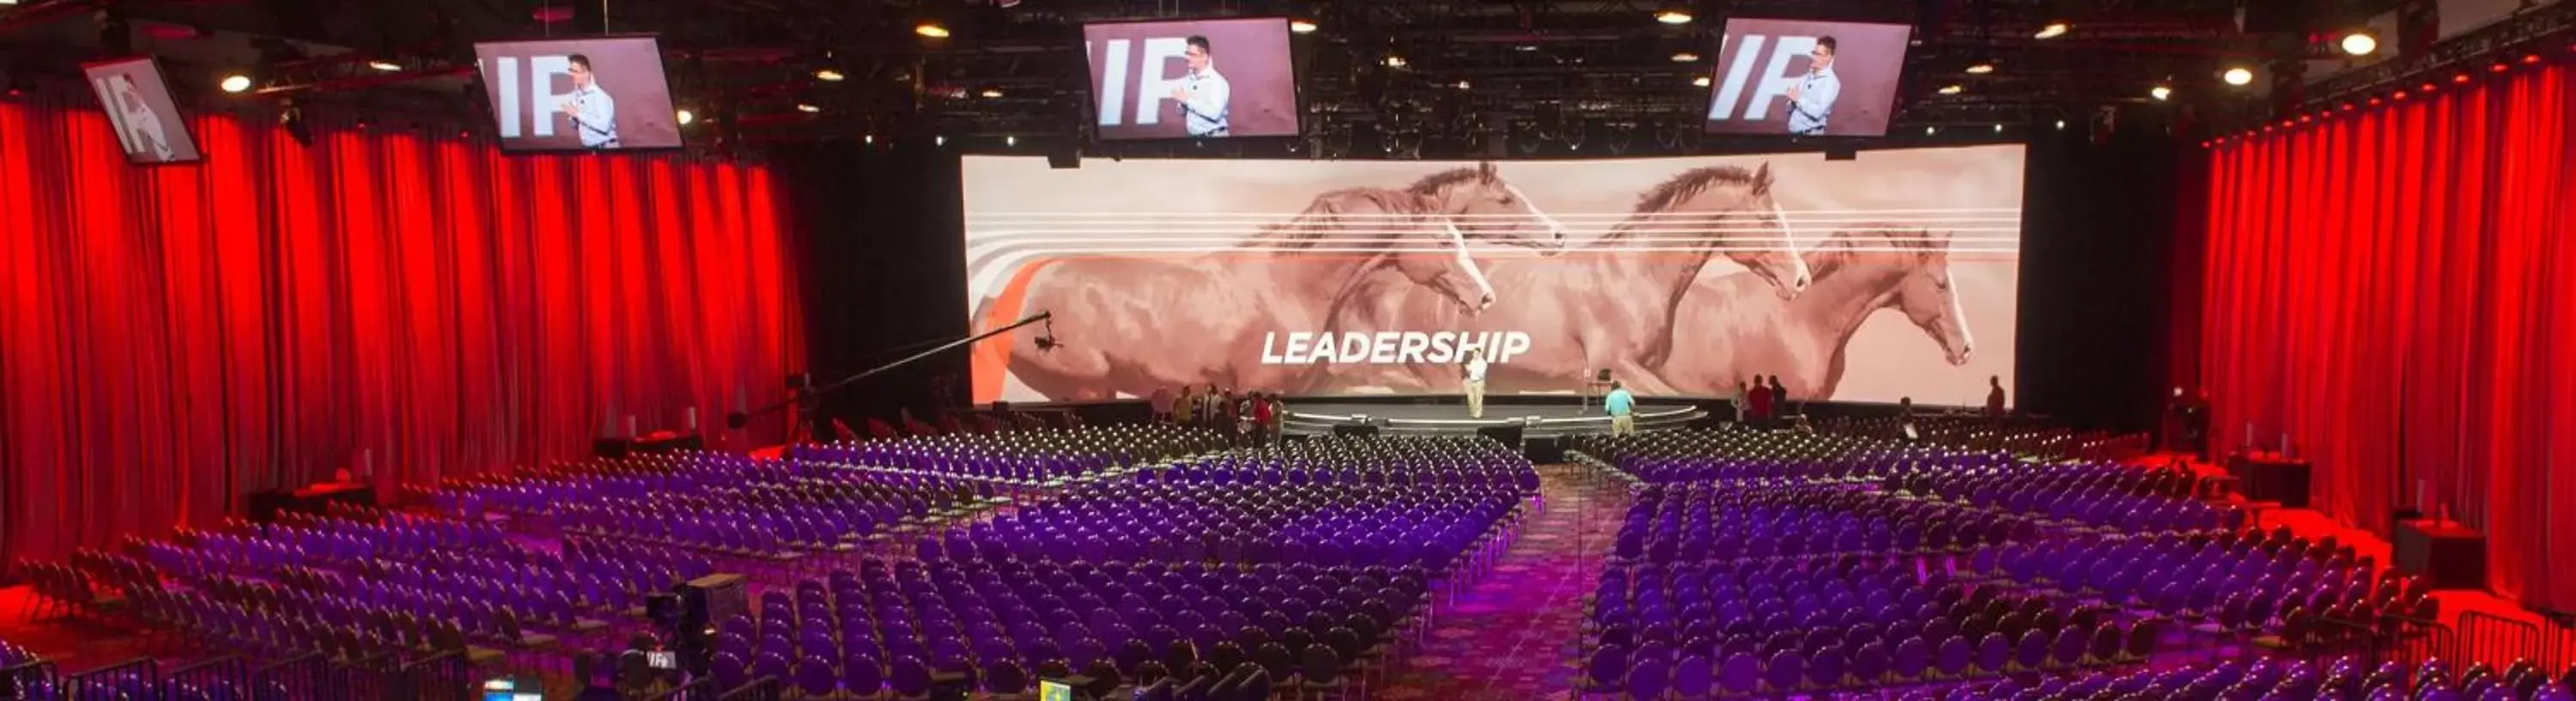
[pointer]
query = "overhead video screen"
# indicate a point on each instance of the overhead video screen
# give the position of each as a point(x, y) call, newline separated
point(137, 99)
point(1192, 79)
point(1806, 78)
point(593, 94)
point(1889, 276)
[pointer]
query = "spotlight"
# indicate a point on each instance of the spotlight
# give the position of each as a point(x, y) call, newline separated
point(1011, 140)
point(2347, 107)
point(1525, 48)
point(685, 116)
point(940, 140)
point(1928, 131)
point(234, 83)
point(1981, 68)
point(2400, 95)
point(930, 29)
point(1999, 128)
point(1301, 26)
point(829, 75)
point(2461, 77)
point(2498, 67)
point(2160, 92)
point(2373, 101)
point(2238, 76)
point(807, 108)
point(1701, 81)
point(870, 139)
point(2427, 87)
point(1394, 61)
point(2530, 58)
point(991, 93)
point(1685, 57)
point(1952, 89)
point(2051, 31)
point(292, 120)
point(1673, 14)
point(384, 65)
point(2359, 43)
point(2061, 125)
point(1464, 85)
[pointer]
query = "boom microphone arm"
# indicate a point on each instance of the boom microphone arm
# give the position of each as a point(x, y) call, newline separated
point(738, 419)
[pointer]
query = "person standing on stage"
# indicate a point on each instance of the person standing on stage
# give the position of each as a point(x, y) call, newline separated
point(1185, 407)
point(1758, 404)
point(1277, 413)
point(1161, 403)
point(1475, 384)
point(1742, 403)
point(1622, 408)
point(1994, 396)
point(1779, 398)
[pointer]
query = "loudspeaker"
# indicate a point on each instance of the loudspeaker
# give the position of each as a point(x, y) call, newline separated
point(1842, 154)
point(1509, 435)
point(1544, 450)
point(1355, 429)
point(712, 598)
point(1064, 157)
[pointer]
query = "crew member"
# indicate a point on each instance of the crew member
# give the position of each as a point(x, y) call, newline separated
point(1622, 408)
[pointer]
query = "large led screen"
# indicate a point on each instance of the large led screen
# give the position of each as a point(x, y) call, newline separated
point(147, 122)
point(591, 94)
point(1889, 276)
point(1806, 78)
point(1192, 79)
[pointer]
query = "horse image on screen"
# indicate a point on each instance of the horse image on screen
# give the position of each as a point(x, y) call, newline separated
point(1678, 276)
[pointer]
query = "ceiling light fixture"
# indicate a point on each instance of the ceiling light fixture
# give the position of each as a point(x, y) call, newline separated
point(1673, 15)
point(807, 108)
point(829, 75)
point(1701, 81)
point(235, 83)
point(2051, 30)
point(384, 65)
point(686, 117)
point(991, 93)
point(1394, 61)
point(1953, 89)
point(2239, 76)
point(2160, 92)
point(1981, 68)
point(2359, 43)
point(931, 29)
point(1685, 57)
point(1301, 26)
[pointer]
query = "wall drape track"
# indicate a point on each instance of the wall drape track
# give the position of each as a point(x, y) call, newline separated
point(172, 338)
point(2394, 289)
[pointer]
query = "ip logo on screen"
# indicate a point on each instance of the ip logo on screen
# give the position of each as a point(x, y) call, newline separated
point(513, 101)
point(1779, 66)
point(1137, 68)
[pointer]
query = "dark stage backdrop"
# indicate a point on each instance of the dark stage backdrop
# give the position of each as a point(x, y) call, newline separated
point(178, 336)
point(2395, 290)
point(886, 262)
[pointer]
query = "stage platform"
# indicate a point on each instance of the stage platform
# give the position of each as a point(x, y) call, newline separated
point(1448, 416)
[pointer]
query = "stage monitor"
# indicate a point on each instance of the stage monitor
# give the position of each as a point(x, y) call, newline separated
point(1188, 79)
point(591, 94)
point(147, 122)
point(1893, 275)
point(1796, 77)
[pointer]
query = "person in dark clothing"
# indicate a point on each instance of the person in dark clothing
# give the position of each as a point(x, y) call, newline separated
point(1758, 413)
point(1779, 399)
point(1994, 396)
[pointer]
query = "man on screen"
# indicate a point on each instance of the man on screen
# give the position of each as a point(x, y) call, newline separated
point(593, 112)
point(1203, 94)
point(1811, 101)
point(143, 129)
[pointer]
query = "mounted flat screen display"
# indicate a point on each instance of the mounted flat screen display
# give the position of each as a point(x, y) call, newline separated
point(1196, 79)
point(1806, 78)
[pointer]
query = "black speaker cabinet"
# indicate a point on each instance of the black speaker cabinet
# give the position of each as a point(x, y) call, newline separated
point(1354, 429)
point(1508, 435)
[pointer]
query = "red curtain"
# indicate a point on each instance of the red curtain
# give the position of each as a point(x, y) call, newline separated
point(2393, 289)
point(176, 337)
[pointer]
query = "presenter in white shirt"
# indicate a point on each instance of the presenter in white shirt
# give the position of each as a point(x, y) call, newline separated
point(1475, 383)
point(1811, 101)
point(1204, 94)
point(593, 112)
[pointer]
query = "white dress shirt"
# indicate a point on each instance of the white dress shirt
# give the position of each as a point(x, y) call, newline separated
point(1207, 112)
point(1476, 370)
point(1815, 102)
point(596, 118)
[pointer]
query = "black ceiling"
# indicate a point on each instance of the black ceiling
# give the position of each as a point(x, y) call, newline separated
point(1526, 64)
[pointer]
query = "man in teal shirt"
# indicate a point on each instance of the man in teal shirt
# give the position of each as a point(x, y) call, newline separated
point(1621, 406)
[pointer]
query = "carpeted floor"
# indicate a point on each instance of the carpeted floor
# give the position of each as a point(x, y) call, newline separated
point(1512, 636)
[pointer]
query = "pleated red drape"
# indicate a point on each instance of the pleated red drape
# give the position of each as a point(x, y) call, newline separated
point(2394, 290)
point(172, 338)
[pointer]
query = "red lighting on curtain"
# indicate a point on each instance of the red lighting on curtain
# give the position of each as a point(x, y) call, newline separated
point(2395, 293)
point(179, 336)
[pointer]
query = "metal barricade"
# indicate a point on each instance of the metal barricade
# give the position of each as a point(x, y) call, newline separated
point(2501, 641)
point(212, 678)
point(762, 689)
point(29, 680)
point(135, 678)
point(305, 677)
point(701, 689)
point(435, 678)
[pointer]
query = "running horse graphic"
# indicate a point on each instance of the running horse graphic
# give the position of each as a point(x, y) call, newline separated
point(1132, 324)
point(1731, 332)
point(1603, 305)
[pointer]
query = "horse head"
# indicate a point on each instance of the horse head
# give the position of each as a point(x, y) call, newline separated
point(1931, 300)
point(1451, 272)
point(1484, 207)
point(1744, 220)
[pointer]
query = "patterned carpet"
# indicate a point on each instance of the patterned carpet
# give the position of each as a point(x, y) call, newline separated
point(1512, 636)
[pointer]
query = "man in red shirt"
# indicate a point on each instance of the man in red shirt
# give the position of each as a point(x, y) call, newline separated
point(1261, 418)
point(1761, 401)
